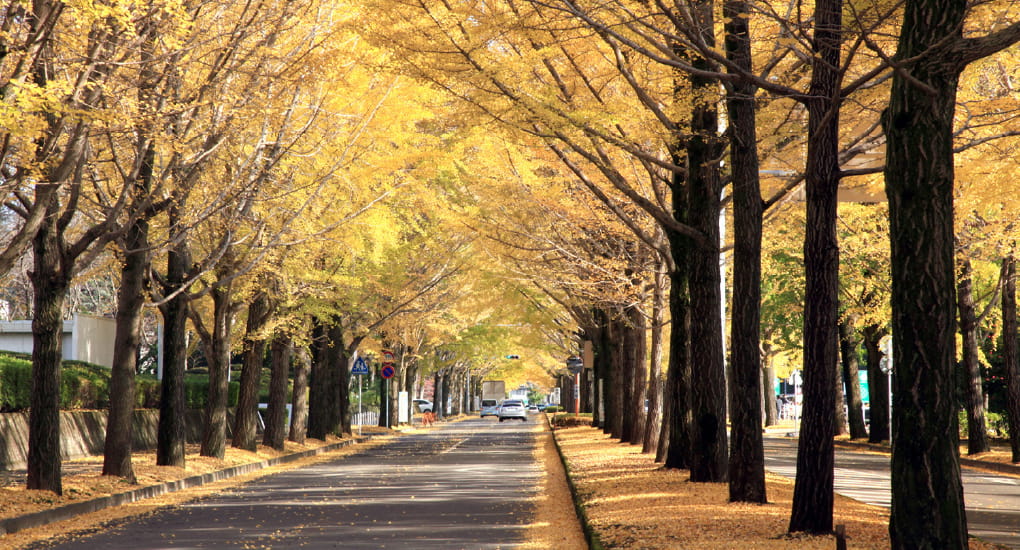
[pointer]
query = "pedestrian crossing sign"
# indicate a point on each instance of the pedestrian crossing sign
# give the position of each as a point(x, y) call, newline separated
point(360, 366)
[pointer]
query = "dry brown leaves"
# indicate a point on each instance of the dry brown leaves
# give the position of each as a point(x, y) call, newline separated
point(554, 523)
point(633, 503)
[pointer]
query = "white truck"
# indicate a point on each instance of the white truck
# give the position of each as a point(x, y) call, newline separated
point(493, 391)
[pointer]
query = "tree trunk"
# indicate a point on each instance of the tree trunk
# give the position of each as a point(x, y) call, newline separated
point(638, 352)
point(299, 401)
point(839, 412)
point(447, 390)
point(624, 334)
point(130, 297)
point(974, 397)
point(616, 395)
point(331, 373)
point(245, 416)
point(677, 393)
point(768, 390)
point(813, 489)
point(600, 368)
point(171, 438)
point(878, 386)
point(587, 390)
point(747, 452)
point(1009, 352)
point(414, 393)
point(709, 460)
point(344, 403)
point(438, 396)
point(50, 283)
point(653, 419)
point(770, 405)
point(613, 384)
point(119, 425)
point(214, 436)
point(927, 493)
point(664, 428)
point(320, 398)
point(276, 414)
point(338, 368)
point(849, 343)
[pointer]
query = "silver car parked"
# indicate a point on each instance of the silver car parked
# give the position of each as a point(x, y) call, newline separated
point(512, 408)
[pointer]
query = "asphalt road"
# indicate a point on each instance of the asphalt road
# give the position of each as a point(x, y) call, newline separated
point(992, 501)
point(460, 485)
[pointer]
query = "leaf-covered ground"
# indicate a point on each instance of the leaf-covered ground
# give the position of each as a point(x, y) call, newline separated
point(633, 503)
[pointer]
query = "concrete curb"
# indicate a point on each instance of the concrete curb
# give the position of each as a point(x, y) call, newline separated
point(15, 524)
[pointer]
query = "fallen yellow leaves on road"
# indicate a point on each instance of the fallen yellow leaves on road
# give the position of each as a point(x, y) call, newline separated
point(554, 523)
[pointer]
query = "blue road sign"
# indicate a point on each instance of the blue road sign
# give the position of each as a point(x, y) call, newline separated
point(360, 366)
point(388, 371)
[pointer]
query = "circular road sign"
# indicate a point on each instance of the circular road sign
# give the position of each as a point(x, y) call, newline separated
point(388, 371)
point(575, 364)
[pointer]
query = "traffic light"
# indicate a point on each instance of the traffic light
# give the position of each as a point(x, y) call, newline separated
point(513, 356)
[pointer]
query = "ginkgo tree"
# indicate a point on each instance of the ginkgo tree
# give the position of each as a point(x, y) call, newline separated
point(919, 177)
point(73, 61)
point(550, 234)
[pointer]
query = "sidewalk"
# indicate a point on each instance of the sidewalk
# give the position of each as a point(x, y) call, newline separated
point(997, 460)
point(629, 501)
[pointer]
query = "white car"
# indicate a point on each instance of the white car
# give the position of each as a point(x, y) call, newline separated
point(424, 405)
point(512, 408)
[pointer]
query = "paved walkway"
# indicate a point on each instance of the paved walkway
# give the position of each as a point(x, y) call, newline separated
point(992, 500)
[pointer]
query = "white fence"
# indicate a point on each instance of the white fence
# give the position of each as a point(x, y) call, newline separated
point(369, 418)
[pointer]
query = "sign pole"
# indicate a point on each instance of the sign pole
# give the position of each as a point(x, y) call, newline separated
point(359, 369)
point(387, 372)
point(577, 394)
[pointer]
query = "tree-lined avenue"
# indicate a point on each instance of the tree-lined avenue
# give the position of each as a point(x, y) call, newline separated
point(461, 485)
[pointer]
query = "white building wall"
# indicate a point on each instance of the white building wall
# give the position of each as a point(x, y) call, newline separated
point(92, 339)
point(16, 336)
point(84, 338)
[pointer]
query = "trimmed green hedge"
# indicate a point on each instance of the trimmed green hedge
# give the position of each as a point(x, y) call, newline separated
point(87, 386)
point(196, 391)
point(15, 383)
